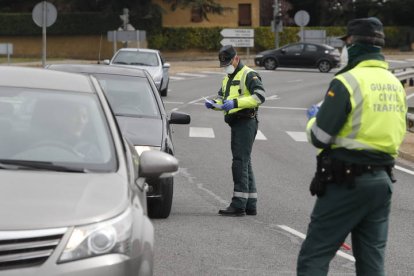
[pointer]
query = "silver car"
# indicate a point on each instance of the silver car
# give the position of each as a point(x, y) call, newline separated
point(72, 190)
point(148, 59)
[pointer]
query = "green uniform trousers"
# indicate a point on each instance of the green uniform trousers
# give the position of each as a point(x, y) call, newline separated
point(362, 211)
point(243, 133)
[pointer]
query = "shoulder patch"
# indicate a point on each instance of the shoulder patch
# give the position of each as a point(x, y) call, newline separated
point(330, 93)
point(255, 78)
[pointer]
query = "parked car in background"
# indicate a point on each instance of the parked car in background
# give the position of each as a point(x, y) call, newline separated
point(142, 118)
point(300, 55)
point(148, 59)
point(72, 189)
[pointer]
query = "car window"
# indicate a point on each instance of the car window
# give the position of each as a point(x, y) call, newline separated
point(294, 48)
point(136, 58)
point(55, 126)
point(129, 96)
point(311, 48)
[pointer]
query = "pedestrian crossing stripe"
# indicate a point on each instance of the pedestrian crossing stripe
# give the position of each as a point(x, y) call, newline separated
point(298, 136)
point(206, 132)
point(191, 75)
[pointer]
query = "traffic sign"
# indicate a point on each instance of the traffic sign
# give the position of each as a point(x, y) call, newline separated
point(244, 33)
point(302, 18)
point(44, 9)
point(238, 42)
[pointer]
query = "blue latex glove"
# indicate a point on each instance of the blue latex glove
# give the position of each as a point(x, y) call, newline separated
point(208, 105)
point(312, 111)
point(227, 105)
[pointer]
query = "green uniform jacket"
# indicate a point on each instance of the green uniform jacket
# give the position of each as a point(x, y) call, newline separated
point(335, 113)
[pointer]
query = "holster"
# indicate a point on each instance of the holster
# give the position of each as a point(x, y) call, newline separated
point(323, 174)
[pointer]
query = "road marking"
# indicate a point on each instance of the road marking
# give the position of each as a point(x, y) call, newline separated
point(272, 98)
point(191, 75)
point(282, 107)
point(176, 78)
point(213, 72)
point(298, 136)
point(303, 236)
point(404, 170)
point(291, 81)
point(203, 132)
point(167, 102)
point(260, 136)
point(396, 61)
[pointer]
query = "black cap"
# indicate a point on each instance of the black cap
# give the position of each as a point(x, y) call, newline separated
point(366, 30)
point(226, 54)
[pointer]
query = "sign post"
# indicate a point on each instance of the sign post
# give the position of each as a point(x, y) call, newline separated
point(243, 38)
point(44, 14)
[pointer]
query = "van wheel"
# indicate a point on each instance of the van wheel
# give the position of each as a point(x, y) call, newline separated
point(161, 208)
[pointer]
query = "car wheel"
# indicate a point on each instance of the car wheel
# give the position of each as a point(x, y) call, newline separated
point(270, 64)
point(161, 208)
point(324, 66)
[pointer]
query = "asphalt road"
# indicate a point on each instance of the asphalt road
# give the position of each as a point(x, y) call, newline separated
point(194, 240)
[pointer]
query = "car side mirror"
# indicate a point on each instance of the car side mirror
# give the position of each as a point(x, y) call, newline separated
point(166, 65)
point(157, 164)
point(179, 118)
point(106, 61)
point(283, 51)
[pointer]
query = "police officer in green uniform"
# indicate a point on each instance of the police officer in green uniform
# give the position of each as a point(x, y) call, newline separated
point(359, 128)
point(239, 97)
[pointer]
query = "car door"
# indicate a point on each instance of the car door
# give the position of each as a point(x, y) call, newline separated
point(310, 55)
point(291, 55)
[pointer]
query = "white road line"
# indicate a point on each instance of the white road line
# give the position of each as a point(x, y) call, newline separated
point(284, 108)
point(213, 72)
point(202, 132)
point(291, 81)
point(410, 96)
point(272, 98)
point(176, 78)
point(298, 136)
point(396, 61)
point(404, 170)
point(191, 75)
point(260, 136)
point(303, 236)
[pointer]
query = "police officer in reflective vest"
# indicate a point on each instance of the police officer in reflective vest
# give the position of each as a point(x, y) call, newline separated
point(239, 97)
point(359, 128)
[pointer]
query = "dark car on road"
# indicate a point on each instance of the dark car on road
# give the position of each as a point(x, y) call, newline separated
point(300, 55)
point(72, 189)
point(143, 120)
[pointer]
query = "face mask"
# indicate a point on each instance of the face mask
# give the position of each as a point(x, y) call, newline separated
point(229, 69)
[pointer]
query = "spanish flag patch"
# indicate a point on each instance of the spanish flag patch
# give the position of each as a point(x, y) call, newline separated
point(330, 93)
point(255, 77)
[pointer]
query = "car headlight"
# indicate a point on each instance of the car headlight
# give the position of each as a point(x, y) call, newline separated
point(259, 56)
point(141, 149)
point(111, 236)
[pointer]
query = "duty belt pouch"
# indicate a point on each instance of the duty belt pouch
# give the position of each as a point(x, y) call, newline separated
point(323, 174)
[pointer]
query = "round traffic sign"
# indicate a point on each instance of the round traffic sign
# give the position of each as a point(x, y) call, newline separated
point(50, 13)
point(302, 18)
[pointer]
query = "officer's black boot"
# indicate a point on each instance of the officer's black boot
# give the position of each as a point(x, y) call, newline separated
point(232, 212)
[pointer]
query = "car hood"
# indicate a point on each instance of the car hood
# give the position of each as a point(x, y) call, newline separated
point(141, 131)
point(267, 52)
point(39, 199)
point(154, 71)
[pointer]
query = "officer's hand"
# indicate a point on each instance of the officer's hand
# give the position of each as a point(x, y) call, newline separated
point(209, 105)
point(312, 111)
point(227, 105)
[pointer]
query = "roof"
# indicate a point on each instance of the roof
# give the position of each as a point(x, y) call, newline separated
point(16, 76)
point(139, 50)
point(99, 69)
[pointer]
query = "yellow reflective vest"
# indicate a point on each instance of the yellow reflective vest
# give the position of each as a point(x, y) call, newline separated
point(239, 91)
point(377, 120)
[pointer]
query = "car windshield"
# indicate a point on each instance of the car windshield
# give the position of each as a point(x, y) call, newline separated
point(65, 129)
point(129, 96)
point(136, 58)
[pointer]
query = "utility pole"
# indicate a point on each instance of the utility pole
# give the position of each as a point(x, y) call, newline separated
point(277, 23)
point(125, 20)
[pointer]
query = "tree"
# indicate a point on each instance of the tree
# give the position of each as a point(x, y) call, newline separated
point(203, 6)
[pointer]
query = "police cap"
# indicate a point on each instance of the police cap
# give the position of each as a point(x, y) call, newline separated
point(366, 30)
point(226, 54)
